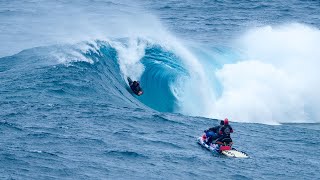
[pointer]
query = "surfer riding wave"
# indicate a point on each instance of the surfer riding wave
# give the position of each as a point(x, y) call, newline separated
point(135, 87)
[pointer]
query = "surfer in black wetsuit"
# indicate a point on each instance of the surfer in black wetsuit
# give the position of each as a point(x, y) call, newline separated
point(135, 87)
point(212, 133)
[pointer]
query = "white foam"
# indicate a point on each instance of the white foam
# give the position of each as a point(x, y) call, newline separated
point(129, 56)
point(278, 82)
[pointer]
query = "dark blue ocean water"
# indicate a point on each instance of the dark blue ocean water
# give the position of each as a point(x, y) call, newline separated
point(68, 113)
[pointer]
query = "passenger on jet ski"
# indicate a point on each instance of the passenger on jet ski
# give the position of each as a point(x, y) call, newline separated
point(213, 133)
point(135, 86)
point(224, 132)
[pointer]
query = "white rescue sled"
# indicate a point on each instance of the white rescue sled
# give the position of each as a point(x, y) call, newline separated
point(225, 150)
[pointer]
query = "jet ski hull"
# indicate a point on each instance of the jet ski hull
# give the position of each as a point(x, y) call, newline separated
point(215, 148)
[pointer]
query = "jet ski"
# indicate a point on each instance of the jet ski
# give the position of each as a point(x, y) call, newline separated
point(223, 147)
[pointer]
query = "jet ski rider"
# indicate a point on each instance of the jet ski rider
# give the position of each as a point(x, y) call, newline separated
point(224, 131)
point(213, 133)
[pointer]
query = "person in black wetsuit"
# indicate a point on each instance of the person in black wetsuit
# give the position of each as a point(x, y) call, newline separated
point(213, 133)
point(135, 87)
point(225, 131)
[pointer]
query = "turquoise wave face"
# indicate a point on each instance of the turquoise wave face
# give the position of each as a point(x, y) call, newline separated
point(162, 70)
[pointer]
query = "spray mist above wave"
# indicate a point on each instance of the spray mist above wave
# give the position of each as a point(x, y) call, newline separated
point(30, 25)
point(277, 79)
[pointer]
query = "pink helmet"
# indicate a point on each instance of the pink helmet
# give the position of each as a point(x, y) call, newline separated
point(226, 121)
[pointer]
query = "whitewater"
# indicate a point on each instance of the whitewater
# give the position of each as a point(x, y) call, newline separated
point(68, 113)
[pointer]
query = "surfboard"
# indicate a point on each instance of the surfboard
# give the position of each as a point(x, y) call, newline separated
point(129, 80)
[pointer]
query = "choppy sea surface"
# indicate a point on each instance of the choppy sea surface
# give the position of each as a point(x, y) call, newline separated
point(66, 111)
